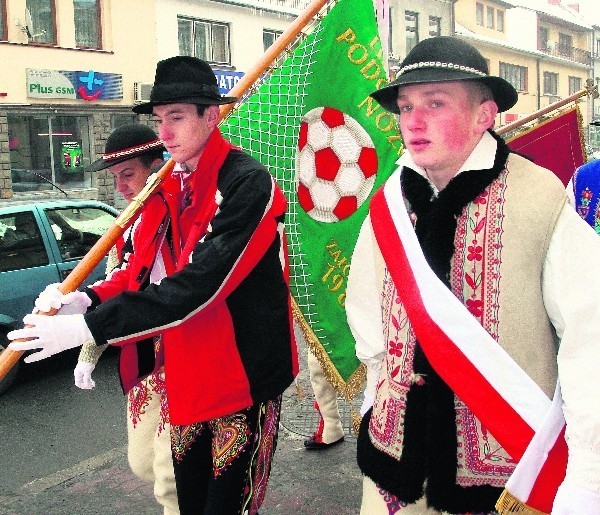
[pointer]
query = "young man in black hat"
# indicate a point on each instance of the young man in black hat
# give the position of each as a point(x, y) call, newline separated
point(221, 306)
point(465, 273)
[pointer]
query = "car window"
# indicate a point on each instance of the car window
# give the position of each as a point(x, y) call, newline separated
point(78, 229)
point(21, 244)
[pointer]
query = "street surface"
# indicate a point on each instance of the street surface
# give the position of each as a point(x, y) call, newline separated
point(63, 451)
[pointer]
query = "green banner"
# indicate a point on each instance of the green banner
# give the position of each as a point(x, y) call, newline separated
point(330, 146)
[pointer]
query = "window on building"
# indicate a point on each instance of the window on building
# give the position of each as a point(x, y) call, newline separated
point(42, 14)
point(412, 29)
point(543, 39)
point(490, 18)
point(597, 48)
point(574, 85)
point(269, 37)
point(3, 31)
point(205, 39)
point(500, 20)
point(435, 26)
point(87, 23)
point(118, 120)
point(479, 13)
point(565, 45)
point(515, 74)
point(47, 148)
point(550, 83)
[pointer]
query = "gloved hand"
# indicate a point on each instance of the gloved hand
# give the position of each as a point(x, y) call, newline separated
point(50, 334)
point(572, 499)
point(83, 375)
point(368, 401)
point(73, 303)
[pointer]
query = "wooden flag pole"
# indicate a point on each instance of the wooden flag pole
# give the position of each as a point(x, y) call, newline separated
point(589, 90)
point(8, 358)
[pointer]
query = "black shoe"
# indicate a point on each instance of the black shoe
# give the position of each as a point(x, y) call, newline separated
point(312, 445)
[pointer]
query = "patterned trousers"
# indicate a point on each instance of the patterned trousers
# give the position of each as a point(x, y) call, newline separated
point(222, 466)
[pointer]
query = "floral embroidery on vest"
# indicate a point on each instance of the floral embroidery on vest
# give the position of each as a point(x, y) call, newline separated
point(387, 420)
point(475, 278)
point(583, 206)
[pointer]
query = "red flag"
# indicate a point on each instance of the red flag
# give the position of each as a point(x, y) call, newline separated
point(556, 143)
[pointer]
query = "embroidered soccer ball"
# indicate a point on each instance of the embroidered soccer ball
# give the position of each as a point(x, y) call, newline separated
point(336, 164)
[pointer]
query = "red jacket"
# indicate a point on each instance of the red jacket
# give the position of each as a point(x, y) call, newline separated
point(224, 310)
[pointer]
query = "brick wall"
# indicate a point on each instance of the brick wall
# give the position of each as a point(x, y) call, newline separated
point(5, 177)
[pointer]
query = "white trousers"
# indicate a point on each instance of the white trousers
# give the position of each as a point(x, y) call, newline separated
point(149, 451)
point(326, 398)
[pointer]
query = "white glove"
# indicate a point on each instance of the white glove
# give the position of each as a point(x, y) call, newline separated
point(50, 334)
point(367, 403)
point(572, 499)
point(83, 375)
point(73, 303)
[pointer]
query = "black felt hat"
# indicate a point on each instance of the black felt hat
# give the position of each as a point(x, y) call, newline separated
point(183, 80)
point(443, 59)
point(127, 142)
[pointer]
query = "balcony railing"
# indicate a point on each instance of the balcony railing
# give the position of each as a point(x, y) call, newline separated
point(577, 55)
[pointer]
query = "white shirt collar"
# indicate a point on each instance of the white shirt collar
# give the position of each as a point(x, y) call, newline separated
point(482, 158)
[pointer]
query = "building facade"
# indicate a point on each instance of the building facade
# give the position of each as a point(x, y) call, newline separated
point(78, 66)
point(541, 47)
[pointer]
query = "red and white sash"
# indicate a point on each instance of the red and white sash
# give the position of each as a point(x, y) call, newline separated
point(499, 392)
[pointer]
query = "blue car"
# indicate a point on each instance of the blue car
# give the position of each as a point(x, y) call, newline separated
point(40, 243)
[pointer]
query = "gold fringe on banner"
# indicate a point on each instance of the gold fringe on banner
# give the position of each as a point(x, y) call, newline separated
point(508, 503)
point(346, 389)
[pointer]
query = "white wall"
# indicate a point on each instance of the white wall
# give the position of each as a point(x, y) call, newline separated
point(246, 27)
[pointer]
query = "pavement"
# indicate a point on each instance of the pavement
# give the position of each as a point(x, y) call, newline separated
point(301, 482)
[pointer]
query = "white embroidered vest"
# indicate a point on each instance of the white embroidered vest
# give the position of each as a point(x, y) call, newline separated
point(500, 246)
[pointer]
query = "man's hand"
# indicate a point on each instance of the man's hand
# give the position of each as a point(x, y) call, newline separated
point(73, 303)
point(83, 375)
point(572, 499)
point(51, 334)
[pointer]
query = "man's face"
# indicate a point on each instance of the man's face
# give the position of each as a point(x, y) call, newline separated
point(130, 177)
point(183, 132)
point(441, 124)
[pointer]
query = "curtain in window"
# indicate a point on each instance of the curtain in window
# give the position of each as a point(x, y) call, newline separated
point(220, 43)
point(42, 17)
point(3, 34)
point(87, 21)
point(202, 40)
point(185, 36)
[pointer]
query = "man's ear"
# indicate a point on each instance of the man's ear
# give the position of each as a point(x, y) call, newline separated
point(212, 114)
point(488, 110)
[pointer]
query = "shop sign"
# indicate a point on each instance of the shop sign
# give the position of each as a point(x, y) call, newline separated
point(226, 79)
point(75, 85)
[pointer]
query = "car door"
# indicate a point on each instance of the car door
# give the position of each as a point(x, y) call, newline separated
point(26, 263)
point(75, 230)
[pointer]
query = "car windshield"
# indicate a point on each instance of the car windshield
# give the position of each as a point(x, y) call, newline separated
point(77, 229)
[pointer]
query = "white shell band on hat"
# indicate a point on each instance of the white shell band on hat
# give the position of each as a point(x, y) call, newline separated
point(132, 150)
point(438, 64)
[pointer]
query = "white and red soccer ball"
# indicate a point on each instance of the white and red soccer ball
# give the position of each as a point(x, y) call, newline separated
point(336, 164)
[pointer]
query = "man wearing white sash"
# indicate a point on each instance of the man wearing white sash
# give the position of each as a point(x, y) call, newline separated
point(473, 289)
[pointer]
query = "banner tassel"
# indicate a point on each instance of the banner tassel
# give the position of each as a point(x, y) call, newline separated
point(508, 503)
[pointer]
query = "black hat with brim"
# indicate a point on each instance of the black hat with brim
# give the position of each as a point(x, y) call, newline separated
point(127, 142)
point(183, 80)
point(445, 59)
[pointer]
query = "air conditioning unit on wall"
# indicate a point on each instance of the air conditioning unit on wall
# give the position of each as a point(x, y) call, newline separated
point(141, 92)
